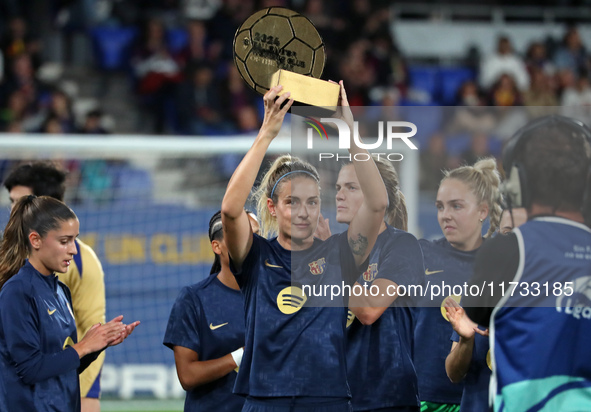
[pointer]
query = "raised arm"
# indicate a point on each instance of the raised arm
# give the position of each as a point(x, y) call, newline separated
point(237, 230)
point(365, 226)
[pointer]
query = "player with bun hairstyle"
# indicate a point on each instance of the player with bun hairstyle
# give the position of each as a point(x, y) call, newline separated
point(379, 335)
point(540, 352)
point(40, 356)
point(467, 196)
point(294, 356)
point(206, 332)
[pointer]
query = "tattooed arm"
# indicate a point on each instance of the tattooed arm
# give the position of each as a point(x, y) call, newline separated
point(365, 226)
point(358, 246)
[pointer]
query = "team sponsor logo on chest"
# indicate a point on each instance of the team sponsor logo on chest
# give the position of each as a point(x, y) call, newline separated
point(370, 274)
point(317, 267)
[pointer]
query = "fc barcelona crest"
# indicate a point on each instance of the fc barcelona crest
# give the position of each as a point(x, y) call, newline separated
point(317, 267)
point(370, 274)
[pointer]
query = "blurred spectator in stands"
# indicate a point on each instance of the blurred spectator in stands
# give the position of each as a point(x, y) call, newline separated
point(386, 60)
point(510, 116)
point(60, 107)
point(505, 92)
point(357, 73)
point(125, 12)
point(199, 103)
point(52, 125)
point(356, 18)
point(320, 14)
point(167, 11)
point(224, 24)
point(536, 58)
point(247, 119)
point(15, 111)
point(433, 161)
point(247, 122)
point(541, 95)
point(21, 77)
point(17, 40)
point(479, 148)
point(157, 73)
point(565, 79)
point(93, 123)
point(576, 101)
point(469, 94)
point(236, 95)
point(503, 61)
point(470, 116)
point(366, 18)
point(197, 50)
point(472, 59)
point(571, 55)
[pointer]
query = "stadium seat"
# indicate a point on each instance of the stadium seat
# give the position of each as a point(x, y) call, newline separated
point(495, 146)
point(440, 84)
point(427, 118)
point(450, 80)
point(177, 39)
point(424, 79)
point(111, 46)
point(457, 144)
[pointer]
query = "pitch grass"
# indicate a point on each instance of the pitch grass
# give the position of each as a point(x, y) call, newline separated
point(142, 406)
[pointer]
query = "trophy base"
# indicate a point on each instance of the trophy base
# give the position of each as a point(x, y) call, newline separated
point(308, 90)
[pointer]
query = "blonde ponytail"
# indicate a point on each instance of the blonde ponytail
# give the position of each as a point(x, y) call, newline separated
point(492, 196)
point(396, 212)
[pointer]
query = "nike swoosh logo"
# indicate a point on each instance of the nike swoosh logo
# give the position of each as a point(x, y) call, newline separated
point(216, 326)
point(270, 265)
point(51, 311)
point(430, 272)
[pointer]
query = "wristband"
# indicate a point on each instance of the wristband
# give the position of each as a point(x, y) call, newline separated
point(237, 356)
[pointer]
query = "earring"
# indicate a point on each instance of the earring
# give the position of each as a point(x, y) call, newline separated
point(481, 220)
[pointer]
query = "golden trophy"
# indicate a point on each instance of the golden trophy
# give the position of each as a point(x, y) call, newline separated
point(279, 46)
